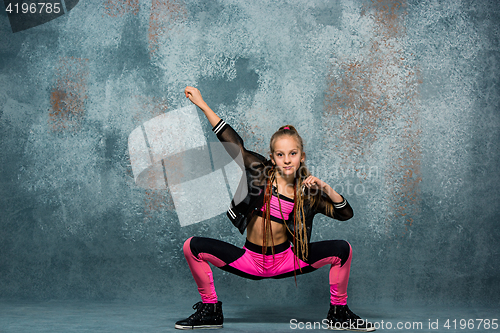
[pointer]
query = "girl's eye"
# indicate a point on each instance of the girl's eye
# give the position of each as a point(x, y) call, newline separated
point(294, 153)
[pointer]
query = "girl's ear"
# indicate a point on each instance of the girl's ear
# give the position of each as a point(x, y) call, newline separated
point(303, 157)
point(271, 158)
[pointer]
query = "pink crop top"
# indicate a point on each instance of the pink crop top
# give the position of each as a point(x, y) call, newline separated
point(286, 207)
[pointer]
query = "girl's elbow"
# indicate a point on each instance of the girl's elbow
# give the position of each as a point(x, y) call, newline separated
point(345, 215)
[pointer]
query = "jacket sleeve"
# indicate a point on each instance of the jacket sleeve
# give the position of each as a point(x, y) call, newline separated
point(340, 211)
point(226, 134)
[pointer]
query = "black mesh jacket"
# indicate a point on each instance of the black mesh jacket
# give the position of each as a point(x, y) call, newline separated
point(249, 197)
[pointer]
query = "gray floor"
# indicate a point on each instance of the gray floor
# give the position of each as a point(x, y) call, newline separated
point(73, 316)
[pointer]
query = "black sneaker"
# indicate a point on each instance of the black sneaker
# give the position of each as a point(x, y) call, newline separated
point(341, 318)
point(207, 315)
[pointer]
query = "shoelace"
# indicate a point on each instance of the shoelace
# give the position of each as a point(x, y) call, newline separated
point(198, 307)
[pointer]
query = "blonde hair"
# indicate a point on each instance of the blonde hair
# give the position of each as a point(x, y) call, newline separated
point(301, 197)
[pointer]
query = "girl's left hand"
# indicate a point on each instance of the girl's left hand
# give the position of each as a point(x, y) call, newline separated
point(314, 183)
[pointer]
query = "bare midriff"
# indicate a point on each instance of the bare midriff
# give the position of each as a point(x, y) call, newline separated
point(254, 227)
point(255, 235)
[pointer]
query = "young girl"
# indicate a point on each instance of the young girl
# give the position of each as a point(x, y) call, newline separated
point(277, 214)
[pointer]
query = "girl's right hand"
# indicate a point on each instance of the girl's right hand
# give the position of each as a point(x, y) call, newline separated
point(194, 96)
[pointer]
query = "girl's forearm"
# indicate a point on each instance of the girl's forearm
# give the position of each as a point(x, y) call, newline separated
point(211, 116)
point(336, 198)
point(194, 96)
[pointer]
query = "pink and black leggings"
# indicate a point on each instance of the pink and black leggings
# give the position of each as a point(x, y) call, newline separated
point(249, 262)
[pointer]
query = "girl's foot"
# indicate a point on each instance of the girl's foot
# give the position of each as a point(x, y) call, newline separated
point(340, 317)
point(207, 315)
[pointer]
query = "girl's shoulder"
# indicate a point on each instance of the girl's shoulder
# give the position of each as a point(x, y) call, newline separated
point(260, 158)
point(257, 162)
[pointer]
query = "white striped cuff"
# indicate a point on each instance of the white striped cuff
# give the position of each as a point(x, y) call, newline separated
point(341, 204)
point(230, 211)
point(219, 127)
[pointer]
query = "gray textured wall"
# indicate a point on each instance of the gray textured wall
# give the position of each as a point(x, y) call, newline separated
point(397, 101)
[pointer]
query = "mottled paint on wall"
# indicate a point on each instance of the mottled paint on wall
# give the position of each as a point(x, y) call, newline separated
point(116, 8)
point(144, 109)
point(69, 94)
point(374, 102)
point(397, 102)
point(156, 200)
point(164, 15)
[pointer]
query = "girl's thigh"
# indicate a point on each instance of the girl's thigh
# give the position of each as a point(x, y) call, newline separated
point(226, 252)
point(328, 251)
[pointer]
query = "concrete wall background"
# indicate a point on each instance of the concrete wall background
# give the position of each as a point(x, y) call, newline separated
point(397, 101)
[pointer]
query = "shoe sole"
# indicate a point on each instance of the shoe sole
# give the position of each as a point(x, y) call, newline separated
point(361, 329)
point(183, 327)
point(371, 329)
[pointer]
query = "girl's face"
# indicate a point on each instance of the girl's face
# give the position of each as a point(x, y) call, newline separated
point(287, 155)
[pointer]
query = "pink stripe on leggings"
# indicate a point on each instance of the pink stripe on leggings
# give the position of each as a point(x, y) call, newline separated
point(338, 277)
point(266, 266)
point(202, 273)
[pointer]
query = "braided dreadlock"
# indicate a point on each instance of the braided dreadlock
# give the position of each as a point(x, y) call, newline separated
point(301, 197)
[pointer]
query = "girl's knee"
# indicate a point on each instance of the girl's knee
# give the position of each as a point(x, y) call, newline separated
point(346, 250)
point(348, 247)
point(186, 248)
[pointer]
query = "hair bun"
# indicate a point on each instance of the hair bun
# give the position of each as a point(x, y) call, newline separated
point(288, 128)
